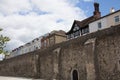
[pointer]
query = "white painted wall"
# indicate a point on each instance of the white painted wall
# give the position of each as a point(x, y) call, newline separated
point(94, 25)
point(27, 48)
point(111, 19)
point(106, 22)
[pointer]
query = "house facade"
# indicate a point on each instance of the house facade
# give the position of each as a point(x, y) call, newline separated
point(41, 42)
point(53, 38)
point(94, 23)
point(80, 28)
point(28, 47)
point(109, 20)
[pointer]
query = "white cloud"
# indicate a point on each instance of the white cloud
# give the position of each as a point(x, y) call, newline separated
point(24, 20)
point(12, 6)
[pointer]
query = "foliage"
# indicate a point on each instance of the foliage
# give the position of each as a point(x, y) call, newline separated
point(3, 41)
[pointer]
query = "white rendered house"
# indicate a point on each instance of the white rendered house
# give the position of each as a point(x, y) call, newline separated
point(107, 21)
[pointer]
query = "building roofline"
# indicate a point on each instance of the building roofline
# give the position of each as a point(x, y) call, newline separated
point(81, 23)
point(106, 15)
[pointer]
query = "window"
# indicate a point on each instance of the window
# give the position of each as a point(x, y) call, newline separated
point(29, 49)
point(76, 28)
point(36, 48)
point(26, 50)
point(85, 30)
point(99, 25)
point(116, 18)
point(77, 33)
point(69, 36)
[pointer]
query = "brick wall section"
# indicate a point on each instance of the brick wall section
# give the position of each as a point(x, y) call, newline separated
point(95, 56)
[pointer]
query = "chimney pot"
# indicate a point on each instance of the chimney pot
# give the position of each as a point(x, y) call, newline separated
point(112, 10)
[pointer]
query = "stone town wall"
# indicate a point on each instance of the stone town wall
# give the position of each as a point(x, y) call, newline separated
point(21, 66)
point(108, 57)
point(95, 56)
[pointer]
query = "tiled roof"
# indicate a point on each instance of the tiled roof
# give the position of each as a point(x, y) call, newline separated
point(84, 22)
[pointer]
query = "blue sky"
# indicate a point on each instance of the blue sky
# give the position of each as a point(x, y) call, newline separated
point(105, 6)
point(25, 20)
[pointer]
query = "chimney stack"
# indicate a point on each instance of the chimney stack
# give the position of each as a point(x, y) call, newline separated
point(96, 13)
point(112, 10)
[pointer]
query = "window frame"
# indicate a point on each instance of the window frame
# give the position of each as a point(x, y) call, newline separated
point(117, 19)
point(77, 33)
point(84, 30)
point(99, 25)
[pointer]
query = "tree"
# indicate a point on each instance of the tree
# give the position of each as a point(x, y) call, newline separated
point(3, 42)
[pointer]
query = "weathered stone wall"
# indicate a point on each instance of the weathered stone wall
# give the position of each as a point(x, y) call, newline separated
point(46, 66)
point(95, 56)
point(72, 58)
point(22, 66)
point(108, 57)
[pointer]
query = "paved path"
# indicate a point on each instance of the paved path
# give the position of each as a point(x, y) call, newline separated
point(15, 78)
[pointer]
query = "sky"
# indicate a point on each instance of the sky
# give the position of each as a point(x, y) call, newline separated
point(25, 20)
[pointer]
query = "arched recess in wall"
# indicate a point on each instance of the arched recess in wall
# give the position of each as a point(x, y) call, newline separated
point(74, 75)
